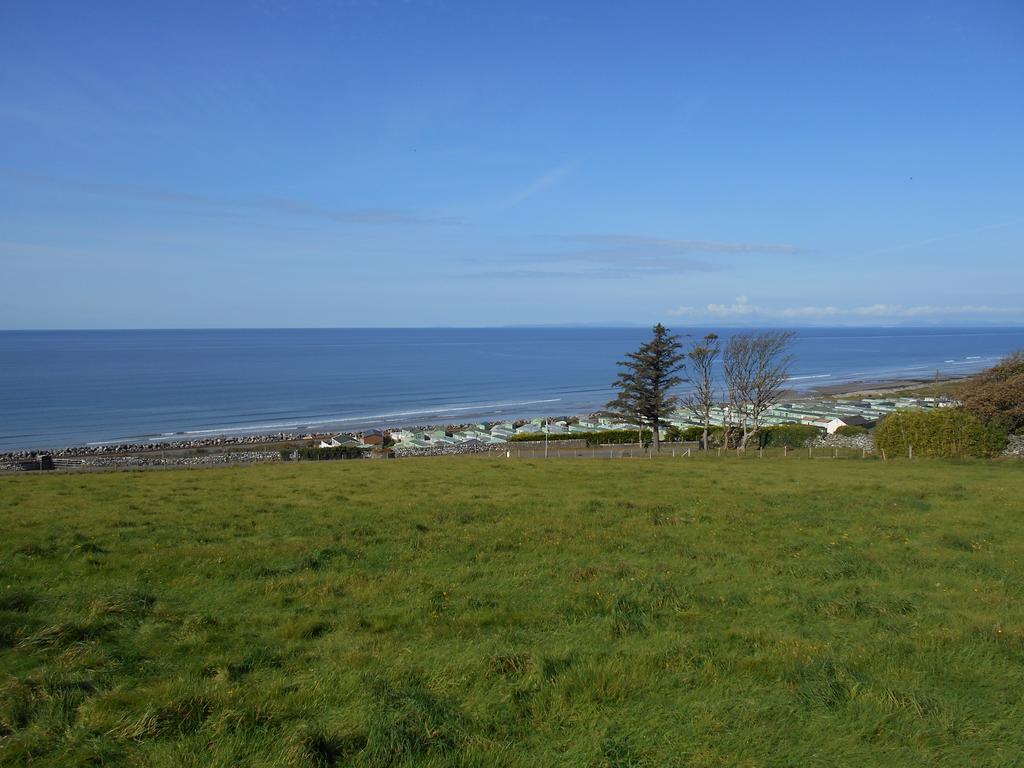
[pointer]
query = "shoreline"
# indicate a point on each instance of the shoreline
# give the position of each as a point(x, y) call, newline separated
point(228, 444)
point(866, 387)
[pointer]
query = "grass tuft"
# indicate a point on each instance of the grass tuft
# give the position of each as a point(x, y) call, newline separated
point(630, 615)
point(122, 604)
point(175, 718)
point(408, 721)
point(17, 600)
point(826, 682)
point(57, 636)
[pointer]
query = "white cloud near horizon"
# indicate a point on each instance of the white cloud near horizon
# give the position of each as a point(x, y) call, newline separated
point(742, 308)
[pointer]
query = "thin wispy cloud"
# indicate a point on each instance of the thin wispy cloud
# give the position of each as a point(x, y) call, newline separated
point(546, 180)
point(618, 257)
point(253, 204)
point(941, 238)
point(643, 243)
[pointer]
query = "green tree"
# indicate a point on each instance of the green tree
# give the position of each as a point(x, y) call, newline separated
point(996, 396)
point(645, 384)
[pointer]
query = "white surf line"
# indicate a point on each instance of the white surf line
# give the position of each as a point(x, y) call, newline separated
point(293, 424)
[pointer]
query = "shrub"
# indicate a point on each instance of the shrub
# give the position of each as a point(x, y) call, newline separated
point(592, 438)
point(851, 430)
point(691, 434)
point(787, 435)
point(328, 454)
point(945, 432)
point(996, 396)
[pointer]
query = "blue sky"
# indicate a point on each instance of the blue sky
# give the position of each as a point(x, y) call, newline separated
point(233, 164)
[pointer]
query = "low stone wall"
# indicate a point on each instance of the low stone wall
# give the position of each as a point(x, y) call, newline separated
point(448, 450)
point(143, 461)
point(859, 442)
point(1014, 446)
point(212, 443)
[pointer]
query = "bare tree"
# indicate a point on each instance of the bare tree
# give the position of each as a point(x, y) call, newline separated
point(702, 398)
point(756, 370)
point(737, 367)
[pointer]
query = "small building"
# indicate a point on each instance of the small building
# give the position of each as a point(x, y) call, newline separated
point(338, 441)
point(847, 421)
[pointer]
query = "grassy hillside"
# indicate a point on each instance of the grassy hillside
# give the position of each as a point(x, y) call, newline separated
point(478, 612)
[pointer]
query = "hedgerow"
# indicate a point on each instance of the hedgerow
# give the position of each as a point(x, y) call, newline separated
point(329, 454)
point(603, 437)
point(786, 435)
point(943, 432)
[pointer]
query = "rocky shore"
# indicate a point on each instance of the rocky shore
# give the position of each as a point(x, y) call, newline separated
point(161, 446)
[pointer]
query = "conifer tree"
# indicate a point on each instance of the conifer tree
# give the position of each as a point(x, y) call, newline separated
point(646, 382)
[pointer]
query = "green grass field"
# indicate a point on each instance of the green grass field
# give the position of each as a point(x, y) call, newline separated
point(486, 612)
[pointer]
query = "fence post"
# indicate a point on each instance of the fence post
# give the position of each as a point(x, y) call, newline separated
point(883, 454)
point(809, 454)
point(785, 450)
point(910, 451)
point(835, 452)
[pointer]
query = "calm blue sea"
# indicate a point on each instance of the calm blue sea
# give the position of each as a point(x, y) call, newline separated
point(62, 388)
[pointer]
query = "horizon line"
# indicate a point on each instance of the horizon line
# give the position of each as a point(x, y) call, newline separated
point(520, 326)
